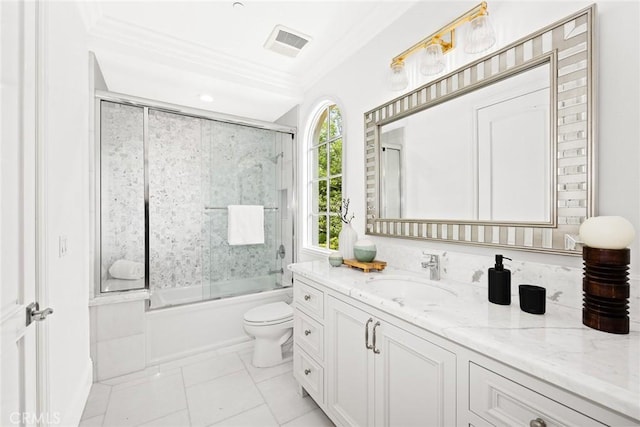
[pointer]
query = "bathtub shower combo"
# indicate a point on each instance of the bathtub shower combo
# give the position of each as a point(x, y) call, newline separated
point(193, 206)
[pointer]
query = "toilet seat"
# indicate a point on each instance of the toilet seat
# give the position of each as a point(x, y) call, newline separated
point(269, 314)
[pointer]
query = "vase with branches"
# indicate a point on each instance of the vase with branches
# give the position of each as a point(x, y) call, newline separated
point(347, 236)
point(344, 212)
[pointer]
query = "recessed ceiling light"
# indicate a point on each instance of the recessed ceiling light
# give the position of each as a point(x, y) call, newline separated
point(205, 97)
point(238, 5)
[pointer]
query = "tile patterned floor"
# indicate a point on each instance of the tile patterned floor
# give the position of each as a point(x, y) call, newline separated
point(215, 389)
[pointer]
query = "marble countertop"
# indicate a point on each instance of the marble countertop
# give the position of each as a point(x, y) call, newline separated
point(555, 347)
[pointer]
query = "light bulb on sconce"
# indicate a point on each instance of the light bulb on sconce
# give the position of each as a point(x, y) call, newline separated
point(480, 38)
point(398, 79)
point(432, 59)
point(481, 35)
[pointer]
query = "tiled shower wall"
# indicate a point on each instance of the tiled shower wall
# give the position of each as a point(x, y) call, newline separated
point(122, 184)
point(244, 171)
point(177, 187)
point(193, 164)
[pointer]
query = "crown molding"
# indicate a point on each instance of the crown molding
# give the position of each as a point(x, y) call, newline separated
point(112, 34)
point(108, 33)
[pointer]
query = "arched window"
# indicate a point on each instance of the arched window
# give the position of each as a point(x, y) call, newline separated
point(324, 178)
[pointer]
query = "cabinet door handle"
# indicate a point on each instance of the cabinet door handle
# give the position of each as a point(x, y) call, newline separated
point(307, 371)
point(538, 422)
point(307, 297)
point(307, 331)
point(366, 334)
point(377, 350)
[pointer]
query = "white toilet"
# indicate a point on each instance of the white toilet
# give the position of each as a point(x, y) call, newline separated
point(271, 325)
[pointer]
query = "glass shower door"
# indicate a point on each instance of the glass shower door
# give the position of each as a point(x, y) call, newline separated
point(122, 218)
point(245, 168)
point(167, 181)
point(177, 243)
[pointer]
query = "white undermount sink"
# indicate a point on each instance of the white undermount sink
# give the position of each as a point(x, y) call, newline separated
point(408, 288)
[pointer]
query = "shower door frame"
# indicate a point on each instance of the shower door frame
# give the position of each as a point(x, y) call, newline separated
point(147, 104)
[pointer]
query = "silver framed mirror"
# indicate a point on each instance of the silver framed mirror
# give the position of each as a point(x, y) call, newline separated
point(422, 183)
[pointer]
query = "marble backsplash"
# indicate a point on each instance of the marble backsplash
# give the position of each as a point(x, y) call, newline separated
point(563, 283)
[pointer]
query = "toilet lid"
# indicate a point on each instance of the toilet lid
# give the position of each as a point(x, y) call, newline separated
point(269, 312)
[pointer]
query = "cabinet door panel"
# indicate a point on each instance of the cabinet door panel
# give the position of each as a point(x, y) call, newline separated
point(415, 380)
point(350, 365)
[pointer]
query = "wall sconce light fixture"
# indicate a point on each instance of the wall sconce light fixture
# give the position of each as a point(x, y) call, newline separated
point(481, 37)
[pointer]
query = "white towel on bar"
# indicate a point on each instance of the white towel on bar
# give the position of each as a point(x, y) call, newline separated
point(127, 270)
point(245, 224)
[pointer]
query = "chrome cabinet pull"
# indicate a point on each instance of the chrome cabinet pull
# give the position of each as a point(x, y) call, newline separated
point(307, 371)
point(366, 335)
point(307, 331)
point(538, 422)
point(307, 297)
point(377, 350)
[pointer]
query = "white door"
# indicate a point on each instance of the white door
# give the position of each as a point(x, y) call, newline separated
point(350, 365)
point(18, 355)
point(410, 385)
point(513, 159)
point(391, 173)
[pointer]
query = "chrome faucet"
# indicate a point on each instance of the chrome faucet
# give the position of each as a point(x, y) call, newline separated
point(433, 265)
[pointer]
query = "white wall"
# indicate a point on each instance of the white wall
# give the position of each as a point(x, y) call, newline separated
point(360, 85)
point(66, 186)
point(290, 118)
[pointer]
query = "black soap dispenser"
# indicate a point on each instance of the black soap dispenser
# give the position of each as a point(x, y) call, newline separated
point(500, 283)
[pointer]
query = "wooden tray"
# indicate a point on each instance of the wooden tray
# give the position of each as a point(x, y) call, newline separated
point(365, 266)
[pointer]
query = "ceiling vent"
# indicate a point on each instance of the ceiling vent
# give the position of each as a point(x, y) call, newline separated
point(286, 41)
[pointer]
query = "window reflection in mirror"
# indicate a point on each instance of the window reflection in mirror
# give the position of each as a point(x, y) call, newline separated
point(483, 156)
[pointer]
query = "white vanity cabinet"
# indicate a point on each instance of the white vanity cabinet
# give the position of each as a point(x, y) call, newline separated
point(373, 366)
point(309, 337)
point(380, 374)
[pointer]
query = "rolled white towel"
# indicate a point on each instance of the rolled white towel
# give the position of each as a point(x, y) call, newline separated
point(127, 270)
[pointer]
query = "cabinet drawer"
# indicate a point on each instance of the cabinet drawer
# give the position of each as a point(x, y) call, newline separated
point(309, 374)
point(503, 402)
point(309, 335)
point(308, 299)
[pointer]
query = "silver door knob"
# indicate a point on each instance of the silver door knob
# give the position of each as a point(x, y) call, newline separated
point(307, 332)
point(307, 371)
point(307, 297)
point(34, 314)
point(538, 422)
